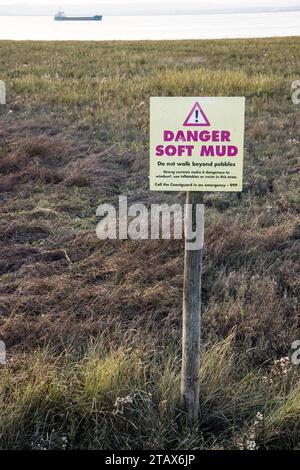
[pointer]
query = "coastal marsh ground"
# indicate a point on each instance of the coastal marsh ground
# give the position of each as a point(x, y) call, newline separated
point(92, 329)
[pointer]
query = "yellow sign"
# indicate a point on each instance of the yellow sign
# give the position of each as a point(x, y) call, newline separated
point(196, 143)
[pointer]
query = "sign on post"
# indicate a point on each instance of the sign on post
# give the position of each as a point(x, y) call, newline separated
point(196, 145)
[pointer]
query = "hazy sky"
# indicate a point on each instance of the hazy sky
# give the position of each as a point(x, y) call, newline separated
point(212, 3)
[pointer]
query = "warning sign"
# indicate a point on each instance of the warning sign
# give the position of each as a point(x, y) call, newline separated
point(196, 144)
point(196, 117)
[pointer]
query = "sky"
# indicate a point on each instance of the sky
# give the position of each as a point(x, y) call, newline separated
point(221, 3)
point(143, 7)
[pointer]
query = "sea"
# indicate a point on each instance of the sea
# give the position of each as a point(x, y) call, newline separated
point(208, 26)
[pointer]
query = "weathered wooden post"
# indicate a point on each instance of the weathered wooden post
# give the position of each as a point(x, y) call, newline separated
point(191, 324)
point(2, 96)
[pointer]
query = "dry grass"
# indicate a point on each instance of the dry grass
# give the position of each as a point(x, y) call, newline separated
point(86, 322)
point(129, 398)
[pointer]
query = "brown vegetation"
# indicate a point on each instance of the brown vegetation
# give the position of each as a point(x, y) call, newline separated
point(63, 289)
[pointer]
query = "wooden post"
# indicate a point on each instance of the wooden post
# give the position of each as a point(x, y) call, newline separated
point(192, 317)
point(2, 96)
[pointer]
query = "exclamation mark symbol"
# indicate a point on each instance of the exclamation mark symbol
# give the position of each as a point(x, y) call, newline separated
point(197, 114)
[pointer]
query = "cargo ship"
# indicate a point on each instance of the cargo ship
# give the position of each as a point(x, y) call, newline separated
point(60, 16)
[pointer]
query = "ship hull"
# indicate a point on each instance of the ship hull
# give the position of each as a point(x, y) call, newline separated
point(78, 18)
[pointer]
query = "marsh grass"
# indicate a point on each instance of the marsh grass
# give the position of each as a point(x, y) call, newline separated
point(106, 86)
point(128, 399)
point(93, 329)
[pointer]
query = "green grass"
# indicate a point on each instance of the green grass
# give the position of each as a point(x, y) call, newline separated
point(89, 323)
point(127, 399)
point(107, 85)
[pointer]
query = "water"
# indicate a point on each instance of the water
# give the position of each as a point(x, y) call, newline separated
point(239, 25)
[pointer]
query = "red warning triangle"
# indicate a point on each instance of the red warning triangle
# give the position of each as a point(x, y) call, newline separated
point(196, 117)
